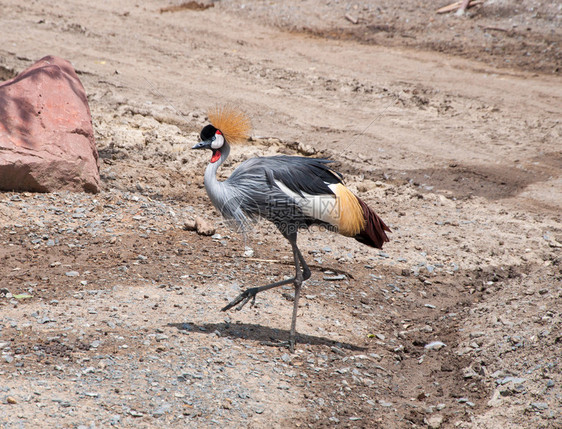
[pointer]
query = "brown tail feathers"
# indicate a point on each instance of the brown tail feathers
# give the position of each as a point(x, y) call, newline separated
point(374, 232)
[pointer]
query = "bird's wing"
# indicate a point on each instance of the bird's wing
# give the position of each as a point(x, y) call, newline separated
point(318, 191)
point(298, 190)
point(321, 195)
point(285, 188)
point(302, 175)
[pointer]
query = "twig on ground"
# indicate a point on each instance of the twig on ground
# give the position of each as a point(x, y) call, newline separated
point(459, 6)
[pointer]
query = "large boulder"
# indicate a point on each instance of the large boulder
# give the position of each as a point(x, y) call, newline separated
point(46, 135)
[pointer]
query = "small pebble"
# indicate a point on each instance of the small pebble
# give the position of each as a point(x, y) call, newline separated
point(539, 406)
point(435, 345)
point(335, 278)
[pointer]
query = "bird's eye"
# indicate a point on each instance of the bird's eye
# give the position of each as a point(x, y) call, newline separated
point(218, 140)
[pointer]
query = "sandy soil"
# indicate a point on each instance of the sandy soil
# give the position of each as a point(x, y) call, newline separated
point(449, 126)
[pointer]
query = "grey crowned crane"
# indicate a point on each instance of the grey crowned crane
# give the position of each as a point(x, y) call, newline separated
point(292, 192)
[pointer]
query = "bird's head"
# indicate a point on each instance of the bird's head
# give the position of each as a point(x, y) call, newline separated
point(228, 125)
point(211, 138)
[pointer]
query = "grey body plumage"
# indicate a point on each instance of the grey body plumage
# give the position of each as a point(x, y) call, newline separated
point(251, 191)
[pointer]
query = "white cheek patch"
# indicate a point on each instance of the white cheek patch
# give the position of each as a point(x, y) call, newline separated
point(218, 141)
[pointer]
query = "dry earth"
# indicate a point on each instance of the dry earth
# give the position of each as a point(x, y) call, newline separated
point(449, 126)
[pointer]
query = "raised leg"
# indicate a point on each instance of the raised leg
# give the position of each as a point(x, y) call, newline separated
point(250, 294)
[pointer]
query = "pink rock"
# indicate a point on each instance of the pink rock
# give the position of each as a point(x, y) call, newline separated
point(46, 135)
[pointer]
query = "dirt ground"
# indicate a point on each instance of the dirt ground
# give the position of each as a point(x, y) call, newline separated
point(448, 126)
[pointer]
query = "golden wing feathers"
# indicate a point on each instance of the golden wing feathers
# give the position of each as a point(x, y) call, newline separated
point(231, 121)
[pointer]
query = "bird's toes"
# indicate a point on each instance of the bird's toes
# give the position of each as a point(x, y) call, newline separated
point(242, 299)
point(253, 303)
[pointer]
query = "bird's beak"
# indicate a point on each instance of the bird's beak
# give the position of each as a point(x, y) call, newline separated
point(205, 144)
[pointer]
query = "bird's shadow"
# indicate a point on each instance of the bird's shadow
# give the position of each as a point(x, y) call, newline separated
point(259, 333)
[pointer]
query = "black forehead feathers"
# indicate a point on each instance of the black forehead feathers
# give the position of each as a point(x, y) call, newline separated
point(207, 132)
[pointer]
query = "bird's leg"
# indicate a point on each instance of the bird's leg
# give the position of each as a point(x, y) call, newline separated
point(300, 276)
point(298, 283)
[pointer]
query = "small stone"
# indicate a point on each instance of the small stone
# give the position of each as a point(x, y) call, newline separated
point(497, 374)
point(469, 372)
point(11, 400)
point(429, 306)
point(72, 273)
point(204, 227)
point(190, 225)
point(435, 421)
point(8, 358)
point(540, 406)
point(509, 379)
point(385, 403)
point(435, 345)
point(135, 413)
point(162, 409)
point(335, 278)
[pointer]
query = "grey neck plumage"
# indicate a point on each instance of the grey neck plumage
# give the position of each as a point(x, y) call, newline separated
point(215, 188)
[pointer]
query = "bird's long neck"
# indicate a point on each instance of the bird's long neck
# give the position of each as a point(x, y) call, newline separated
point(213, 186)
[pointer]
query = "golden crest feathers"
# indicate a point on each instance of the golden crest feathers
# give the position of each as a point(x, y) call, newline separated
point(233, 123)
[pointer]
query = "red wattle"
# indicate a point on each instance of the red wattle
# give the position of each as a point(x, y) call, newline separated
point(216, 156)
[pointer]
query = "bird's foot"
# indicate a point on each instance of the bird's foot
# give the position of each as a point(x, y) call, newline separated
point(242, 299)
point(286, 344)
